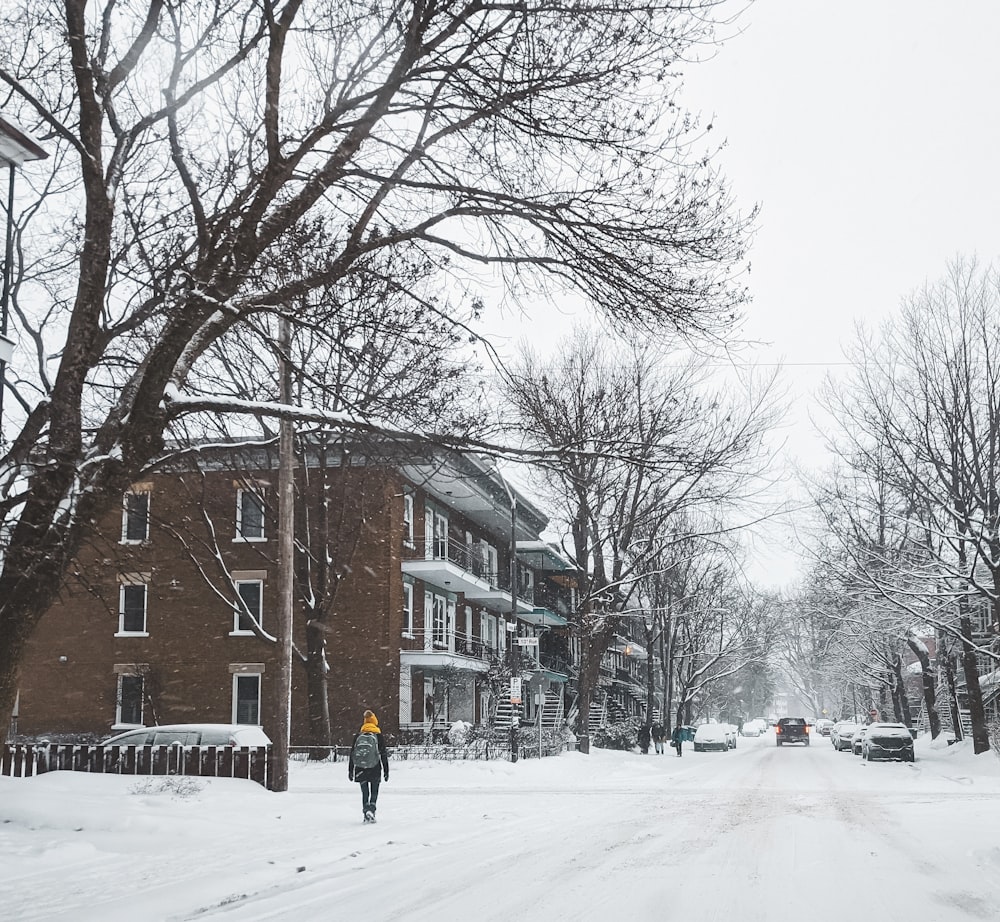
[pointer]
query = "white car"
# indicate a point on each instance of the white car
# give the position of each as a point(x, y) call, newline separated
point(710, 737)
point(192, 735)
point(842, 734)
point(858, 740)
point(754, 727)
point(887, 741)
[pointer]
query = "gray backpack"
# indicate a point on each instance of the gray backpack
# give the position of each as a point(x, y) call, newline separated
point(365, 752)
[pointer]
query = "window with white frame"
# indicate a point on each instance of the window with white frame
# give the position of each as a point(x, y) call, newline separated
point(982, 615)
point(491, 560)
point(408, 519)
point(435, 534)
point(135, 517)
point(128, 705)
point(251, 593)
point(249, 515)
point(470, 635)
point(439, 620)
point(132, 596)
point(408, 610)
point(246, 698)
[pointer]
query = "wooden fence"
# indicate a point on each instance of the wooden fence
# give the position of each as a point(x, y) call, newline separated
point(252, 763)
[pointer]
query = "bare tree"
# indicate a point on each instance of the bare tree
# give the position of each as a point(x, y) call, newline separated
point(927, 391)
point(637, 443)
point(213, 164)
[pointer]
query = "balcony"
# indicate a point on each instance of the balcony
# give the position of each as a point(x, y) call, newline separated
point(455, 648)
point(463, 568)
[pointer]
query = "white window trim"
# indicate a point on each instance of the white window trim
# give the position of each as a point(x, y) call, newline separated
point(260, 682)
point(408, 614)
point(131, 584)
point(135, 491)
point(118, 725)
point(240, 538)
point(237, 631)
point(408, 514)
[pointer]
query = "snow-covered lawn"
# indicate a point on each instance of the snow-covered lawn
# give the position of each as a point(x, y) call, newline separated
point(758, 833)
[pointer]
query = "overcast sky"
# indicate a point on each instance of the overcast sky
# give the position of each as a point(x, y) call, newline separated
point(869, 132)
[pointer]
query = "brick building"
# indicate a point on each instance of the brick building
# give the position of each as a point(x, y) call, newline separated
point(403, 567)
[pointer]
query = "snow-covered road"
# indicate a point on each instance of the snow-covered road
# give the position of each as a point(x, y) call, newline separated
point(758, 833)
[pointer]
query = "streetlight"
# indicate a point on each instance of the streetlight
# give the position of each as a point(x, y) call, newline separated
point(16, 148)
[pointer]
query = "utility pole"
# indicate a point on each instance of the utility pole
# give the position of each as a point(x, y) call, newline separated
point(514, 720)
point(286, 565)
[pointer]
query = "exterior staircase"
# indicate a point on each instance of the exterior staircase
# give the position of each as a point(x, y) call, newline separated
point(553, 715)
point(947, 724)
point(504, 712)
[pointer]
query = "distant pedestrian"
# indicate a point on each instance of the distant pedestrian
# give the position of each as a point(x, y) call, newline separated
point(677, 740)
point(644, 739)
point(369, 763)
point(659, 734)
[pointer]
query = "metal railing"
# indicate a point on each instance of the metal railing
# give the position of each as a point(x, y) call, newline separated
point(471, 559)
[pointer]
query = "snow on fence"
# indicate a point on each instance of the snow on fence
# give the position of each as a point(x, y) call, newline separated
point(250, 762)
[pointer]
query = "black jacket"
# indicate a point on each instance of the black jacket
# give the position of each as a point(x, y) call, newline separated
point(369, 774)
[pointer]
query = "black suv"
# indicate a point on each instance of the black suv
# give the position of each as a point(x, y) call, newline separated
point(792, 730)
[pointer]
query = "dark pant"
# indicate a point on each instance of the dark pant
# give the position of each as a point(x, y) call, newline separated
point(369, 794)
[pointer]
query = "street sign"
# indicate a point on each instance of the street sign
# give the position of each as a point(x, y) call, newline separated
point(527, 641)
point(515, 689)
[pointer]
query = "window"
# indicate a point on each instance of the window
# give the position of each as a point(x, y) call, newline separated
point(492, 563)
point(135, 517)
point(132, 609)
point(435, 535)
point(251, 593)
point(470, 636)
point(246, 698)
point(249, 516)
point(129, 704)
point(408, 610)
point(408, 519)
point(440, 620)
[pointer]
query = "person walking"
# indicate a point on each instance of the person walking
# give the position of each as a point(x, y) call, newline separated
point(368, 763)
point(677, 740)
point(659, 736)
point(644, 739)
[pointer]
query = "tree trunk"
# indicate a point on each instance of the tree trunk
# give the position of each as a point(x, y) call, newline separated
point(901, 702)
point(317, 690)
point(977, 713)
point(956, 713)
point(927, 686)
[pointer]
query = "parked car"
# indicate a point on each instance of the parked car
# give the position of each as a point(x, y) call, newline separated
point(842, 734)
point(732, 733)
point(823, 726)
point(887, 741)
point(754, 727)
point(710, 737)
point(858, 740)
point(192, 735)
point(791, 730)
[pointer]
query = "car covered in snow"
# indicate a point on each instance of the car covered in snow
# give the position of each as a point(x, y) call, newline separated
point(712, 737)
point(858, 740)
point(754, 727)
point(823, 726)
point(237, 735)
point(884, 741)
point(842, 734)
